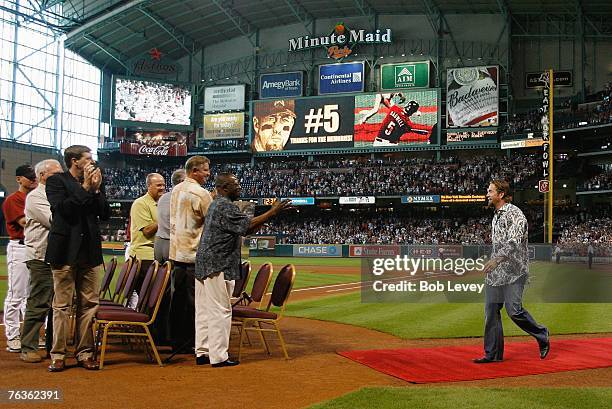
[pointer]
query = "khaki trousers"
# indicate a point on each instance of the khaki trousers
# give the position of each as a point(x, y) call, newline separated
point(213, 317)
point(85, 282)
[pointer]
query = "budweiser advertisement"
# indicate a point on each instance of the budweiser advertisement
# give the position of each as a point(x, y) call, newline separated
point(472, 97)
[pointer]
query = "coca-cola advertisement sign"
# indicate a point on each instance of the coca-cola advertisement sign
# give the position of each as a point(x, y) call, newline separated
point(131, 148)
point(472, 97)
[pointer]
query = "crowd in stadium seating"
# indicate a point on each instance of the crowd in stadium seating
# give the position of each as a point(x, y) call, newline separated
point(226, 145)
point(379, 229)
point(602, 181)
point(596, 113)
point(350, 178)
point(576, 236)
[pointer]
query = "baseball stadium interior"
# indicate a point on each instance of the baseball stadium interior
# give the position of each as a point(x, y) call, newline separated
point(384, 122)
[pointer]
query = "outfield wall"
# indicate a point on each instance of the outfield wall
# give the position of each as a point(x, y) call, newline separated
point(541, 252)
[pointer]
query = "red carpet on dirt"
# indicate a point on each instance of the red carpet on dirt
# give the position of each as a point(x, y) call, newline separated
point(454, 363)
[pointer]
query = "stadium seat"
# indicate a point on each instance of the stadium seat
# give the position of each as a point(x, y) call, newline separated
point(125, 322)
point(264, 320)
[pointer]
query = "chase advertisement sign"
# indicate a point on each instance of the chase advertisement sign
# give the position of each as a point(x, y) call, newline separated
point(281, 85)
point(314, 250)
point(341, 78)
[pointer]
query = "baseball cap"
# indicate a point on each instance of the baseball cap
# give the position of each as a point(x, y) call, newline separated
point(284, 106)
point(26, 171)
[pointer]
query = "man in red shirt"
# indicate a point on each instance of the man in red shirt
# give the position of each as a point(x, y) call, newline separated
point(18, 274)
point(397, 123)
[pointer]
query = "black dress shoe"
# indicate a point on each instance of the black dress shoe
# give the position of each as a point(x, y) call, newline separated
point(202, 360)
point(225, 363)
point(485, 360)
point(545, 347)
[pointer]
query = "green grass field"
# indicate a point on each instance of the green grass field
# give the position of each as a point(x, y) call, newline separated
point(418, 320)
point(306, 277)
point(472, 397)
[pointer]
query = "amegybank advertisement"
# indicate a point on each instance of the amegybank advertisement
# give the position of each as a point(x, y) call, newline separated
point(365, 120)
point(317, 250)
point(281, 85)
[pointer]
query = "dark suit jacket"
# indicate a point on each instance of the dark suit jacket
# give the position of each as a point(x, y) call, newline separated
point(76, 214)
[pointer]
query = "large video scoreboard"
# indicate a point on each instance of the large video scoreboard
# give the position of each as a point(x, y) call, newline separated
point(394, 119)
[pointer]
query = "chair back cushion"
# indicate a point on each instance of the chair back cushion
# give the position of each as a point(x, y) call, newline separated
point(262, 282)
point(109, 271)
point(130, 282)
point(240, 285)
point(282, 285)
point(157, 286)
point(146, 286)
point(125, 269)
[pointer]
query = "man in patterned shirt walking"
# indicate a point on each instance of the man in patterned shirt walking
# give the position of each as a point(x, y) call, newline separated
point(506, 274)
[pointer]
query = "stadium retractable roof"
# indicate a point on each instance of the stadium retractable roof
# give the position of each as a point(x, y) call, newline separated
point(110, 32)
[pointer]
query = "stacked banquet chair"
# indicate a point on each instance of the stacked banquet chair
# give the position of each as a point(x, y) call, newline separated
point(241, 284)
point(125, 283)
point(262, 320)
point(109, 272)
point(134, 324)
point(259, 290)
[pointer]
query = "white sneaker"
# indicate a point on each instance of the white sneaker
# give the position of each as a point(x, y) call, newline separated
point(13, 345)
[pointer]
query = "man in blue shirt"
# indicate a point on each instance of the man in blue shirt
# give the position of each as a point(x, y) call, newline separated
point(218, 266)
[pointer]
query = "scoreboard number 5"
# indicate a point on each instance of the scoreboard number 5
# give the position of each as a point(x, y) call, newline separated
point(332, 118)
point(328, 117)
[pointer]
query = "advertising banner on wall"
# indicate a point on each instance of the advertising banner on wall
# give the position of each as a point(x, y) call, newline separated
point(341, 78)
point(362, 121)
point(416, 199)
point(281, 85)
point(560, 78)
point(471, 136)
point(404, 75)
point(223, 126)
point(472, 96)
point(317, 250)
point(367, 250)
point(224, 98)
point(173, 149)
point(357, 200)
point(261, 242)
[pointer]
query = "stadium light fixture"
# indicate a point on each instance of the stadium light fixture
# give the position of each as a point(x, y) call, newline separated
point(564, 185)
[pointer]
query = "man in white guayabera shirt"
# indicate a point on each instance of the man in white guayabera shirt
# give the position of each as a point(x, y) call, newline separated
point(506, 275)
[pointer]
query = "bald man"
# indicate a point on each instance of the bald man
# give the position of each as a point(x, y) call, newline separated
point(143, 226)
point(37, 225)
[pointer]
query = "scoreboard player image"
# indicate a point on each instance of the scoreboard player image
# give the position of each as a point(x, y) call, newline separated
point(396, 119)
point(272, 124)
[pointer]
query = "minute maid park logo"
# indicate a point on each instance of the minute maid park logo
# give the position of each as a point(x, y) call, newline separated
point(339, 44)
point(404, 75)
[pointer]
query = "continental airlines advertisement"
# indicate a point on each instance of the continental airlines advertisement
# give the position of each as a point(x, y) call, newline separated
point(385, 120)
